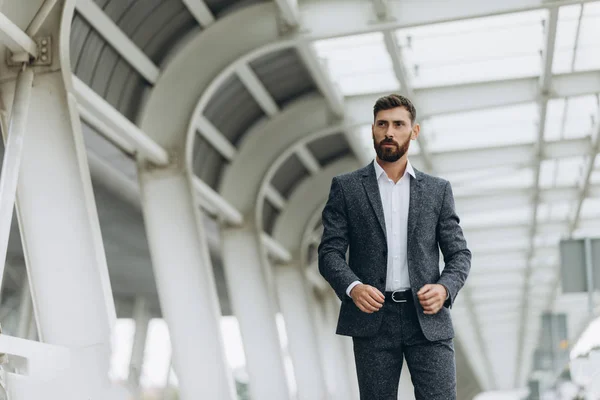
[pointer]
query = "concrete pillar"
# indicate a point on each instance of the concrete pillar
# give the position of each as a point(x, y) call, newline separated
point(59, 227)
point(185, 284)
point(351, 367)
point(406, 390)
point(25, 310)
point(321, 333)
point(252, 305)
point(301, 333)
point(141, 318)
point(337, 354)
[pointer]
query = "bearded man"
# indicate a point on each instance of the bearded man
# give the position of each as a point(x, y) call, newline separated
point(394, 220)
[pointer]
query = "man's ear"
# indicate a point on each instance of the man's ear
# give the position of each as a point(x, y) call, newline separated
point(415, 131)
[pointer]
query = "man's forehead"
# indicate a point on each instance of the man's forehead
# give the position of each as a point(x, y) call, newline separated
point(394, 114)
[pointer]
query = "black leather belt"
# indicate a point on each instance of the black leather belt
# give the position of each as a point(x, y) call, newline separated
point(399, 296)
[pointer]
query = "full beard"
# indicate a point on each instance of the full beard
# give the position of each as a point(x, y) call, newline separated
point(391, 154)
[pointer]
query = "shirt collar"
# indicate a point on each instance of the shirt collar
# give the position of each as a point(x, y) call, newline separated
point(379, 170)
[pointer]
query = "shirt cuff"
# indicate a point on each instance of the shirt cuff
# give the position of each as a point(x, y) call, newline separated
point(352, 287)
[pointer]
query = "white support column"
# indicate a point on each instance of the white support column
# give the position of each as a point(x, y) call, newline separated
point(302, 340)
point(13, 154)
point(406, 390)
point(185, 284)
point(250, 297)
point(25, 310)
point(66, 274)
point(323, 334)
point(351, 367)
point(141, 317)
point(342, 382)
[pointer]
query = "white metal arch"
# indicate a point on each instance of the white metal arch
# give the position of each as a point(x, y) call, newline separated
point(306, 198)
point(173, 100)
point(295, 148)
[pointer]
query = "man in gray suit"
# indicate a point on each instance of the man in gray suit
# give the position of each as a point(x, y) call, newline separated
point(395, 303)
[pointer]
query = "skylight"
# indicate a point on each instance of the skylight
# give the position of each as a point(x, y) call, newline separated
point(359, 64)
point(474, 50)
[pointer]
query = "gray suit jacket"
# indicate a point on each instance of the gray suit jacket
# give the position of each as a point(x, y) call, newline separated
point(353, 217)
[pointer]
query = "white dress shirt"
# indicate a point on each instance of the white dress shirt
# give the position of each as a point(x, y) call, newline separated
point(395, 198)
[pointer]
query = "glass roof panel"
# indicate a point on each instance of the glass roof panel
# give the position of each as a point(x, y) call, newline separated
point(566, 34)
point(468, 176)
point(587, 56)
point(581, 115)
point(520, 178)
point(590, 208)
point(497, 279)
point(359, 64)
point(595, 178)
point(546, 240)
point(461, 51)
point(560, 211)
point(482, 128)
point(498, 218)
point(570, 118)
point(554, 119)
point(562, 172)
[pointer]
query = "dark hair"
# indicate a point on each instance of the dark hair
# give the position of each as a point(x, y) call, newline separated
point(393, 101)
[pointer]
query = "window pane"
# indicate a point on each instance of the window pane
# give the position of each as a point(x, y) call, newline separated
point(359, 64)
point(566, 34)
point(157, 355)
point(462, 51)
point(122, 342)
point(482, 128)
point(563, 172)
point(587, 56)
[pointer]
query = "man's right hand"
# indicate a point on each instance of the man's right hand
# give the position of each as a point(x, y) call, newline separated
point(367, 298)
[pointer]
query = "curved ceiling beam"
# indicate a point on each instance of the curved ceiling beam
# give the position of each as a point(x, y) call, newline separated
point(173, 100)
point(307, 197)
point(171, 103)
point(264, 144)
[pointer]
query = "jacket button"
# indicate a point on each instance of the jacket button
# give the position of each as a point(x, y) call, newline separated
point(381, 280)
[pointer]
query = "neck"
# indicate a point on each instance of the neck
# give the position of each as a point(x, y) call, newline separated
point(394, 170)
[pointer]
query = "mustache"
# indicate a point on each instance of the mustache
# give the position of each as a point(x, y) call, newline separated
point(388, 141)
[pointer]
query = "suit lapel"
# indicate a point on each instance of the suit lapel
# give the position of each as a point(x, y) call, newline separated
point(415, 203)
point(369, 181)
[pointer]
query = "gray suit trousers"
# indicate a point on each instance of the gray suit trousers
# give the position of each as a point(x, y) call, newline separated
point(379, 358)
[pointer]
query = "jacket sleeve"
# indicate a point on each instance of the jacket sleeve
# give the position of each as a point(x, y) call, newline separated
point(457, 257)
point(334, 242)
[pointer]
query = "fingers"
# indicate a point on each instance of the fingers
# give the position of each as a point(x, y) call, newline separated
point(368, 305)
point(366, 308)
point(432, 307)
point(424, 289)
point(369, 300)
point(430, 299)
point(376, 294)
point(372, 302)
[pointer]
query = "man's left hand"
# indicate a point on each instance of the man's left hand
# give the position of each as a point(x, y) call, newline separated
point(432, 298)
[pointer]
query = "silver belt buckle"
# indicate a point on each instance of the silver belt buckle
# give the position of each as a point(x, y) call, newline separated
point(394, 299)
